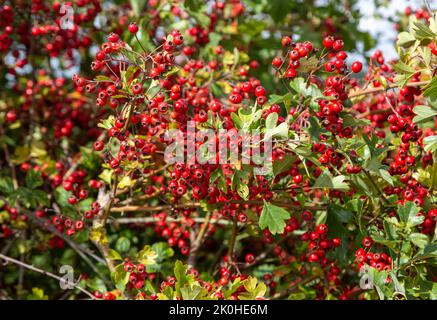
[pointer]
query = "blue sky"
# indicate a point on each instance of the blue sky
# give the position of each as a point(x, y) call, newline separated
point(381, 28)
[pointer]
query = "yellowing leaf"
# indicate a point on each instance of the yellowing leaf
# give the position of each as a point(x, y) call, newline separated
point(125, 182)
point(147, 256)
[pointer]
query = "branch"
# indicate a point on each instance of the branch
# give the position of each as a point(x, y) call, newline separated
point(168, 219)
point(134, 208)
point(281, 295)
point(46, 273)
point(198, 242)
point(379, 89)
point(375, 185)
point(233, 239)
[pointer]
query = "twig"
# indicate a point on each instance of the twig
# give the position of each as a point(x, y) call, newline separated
point(281, 295)
point(187, 205)
point(168, 219)
point(379, 89)
point(49, 274)
point(198, 242)
point(375, 185)
point(233, 239)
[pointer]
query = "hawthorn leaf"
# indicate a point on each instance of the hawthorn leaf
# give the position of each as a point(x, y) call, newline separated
point(326, 180)
point(430, 143)
point(419, 239)
point(283, 165)
point(33, 179)
point(405, 39)
point(423, 113)
point(147, 256)
point(408, 211)
point(120, 277)
point(122, 244)
point(273, 218)
point(431, 88)
point(113, 255)
point(271, 121)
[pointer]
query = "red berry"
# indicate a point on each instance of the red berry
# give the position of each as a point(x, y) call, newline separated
point(249, 258)
point(356, 67)
point(133, 28)
point(367, 242)
point(99, 145)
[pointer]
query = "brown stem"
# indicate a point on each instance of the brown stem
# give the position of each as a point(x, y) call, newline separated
point(49, 274)
point(375, 185)
point(379, 89)
point(134, 208)
point(198, 242)
point(168, 219)
point(282, 295)
point(233, 239)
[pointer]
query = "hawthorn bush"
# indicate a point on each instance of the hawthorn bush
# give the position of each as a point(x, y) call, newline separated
point(344, 208)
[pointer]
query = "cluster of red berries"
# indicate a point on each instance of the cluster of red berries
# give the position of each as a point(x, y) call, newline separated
point(318, 244)
point(294, 53)
point(176, 233)
point(380, 261)
point(137, 274)
point(51, 37)
point(429, 223)
point(47, 100)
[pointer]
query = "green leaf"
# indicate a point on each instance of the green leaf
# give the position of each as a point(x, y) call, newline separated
point(431, 89)
point(37, 294)
point(341, 214)
point(421, 31)
point(315, 129)
point(271, 120)
point(405, 39)
point(125, 182)
point(430, 143)
point(147, 256)
point(277, 99)
point(300, 86)
point(308, 64)
point(122, 244)
point(33, 179)
point(273, 218)
point(96, 284)
point(101, 78)
point(392, 244)
point(254, 289)
point(408, 211)
point(6, 185)
point(280, 131)
point(113, 255)
point(419, 239)
point(193, 293)
point(120, 277)
point(243, 191)
point(137, 6)
point(386, 176)
point(236, 120)
point(283, 165)
point(107, 123)
point(192, 4)
point(402, 67)
point(325, 180)
point(423, 113)
point(180, 273)
point(163, 251)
